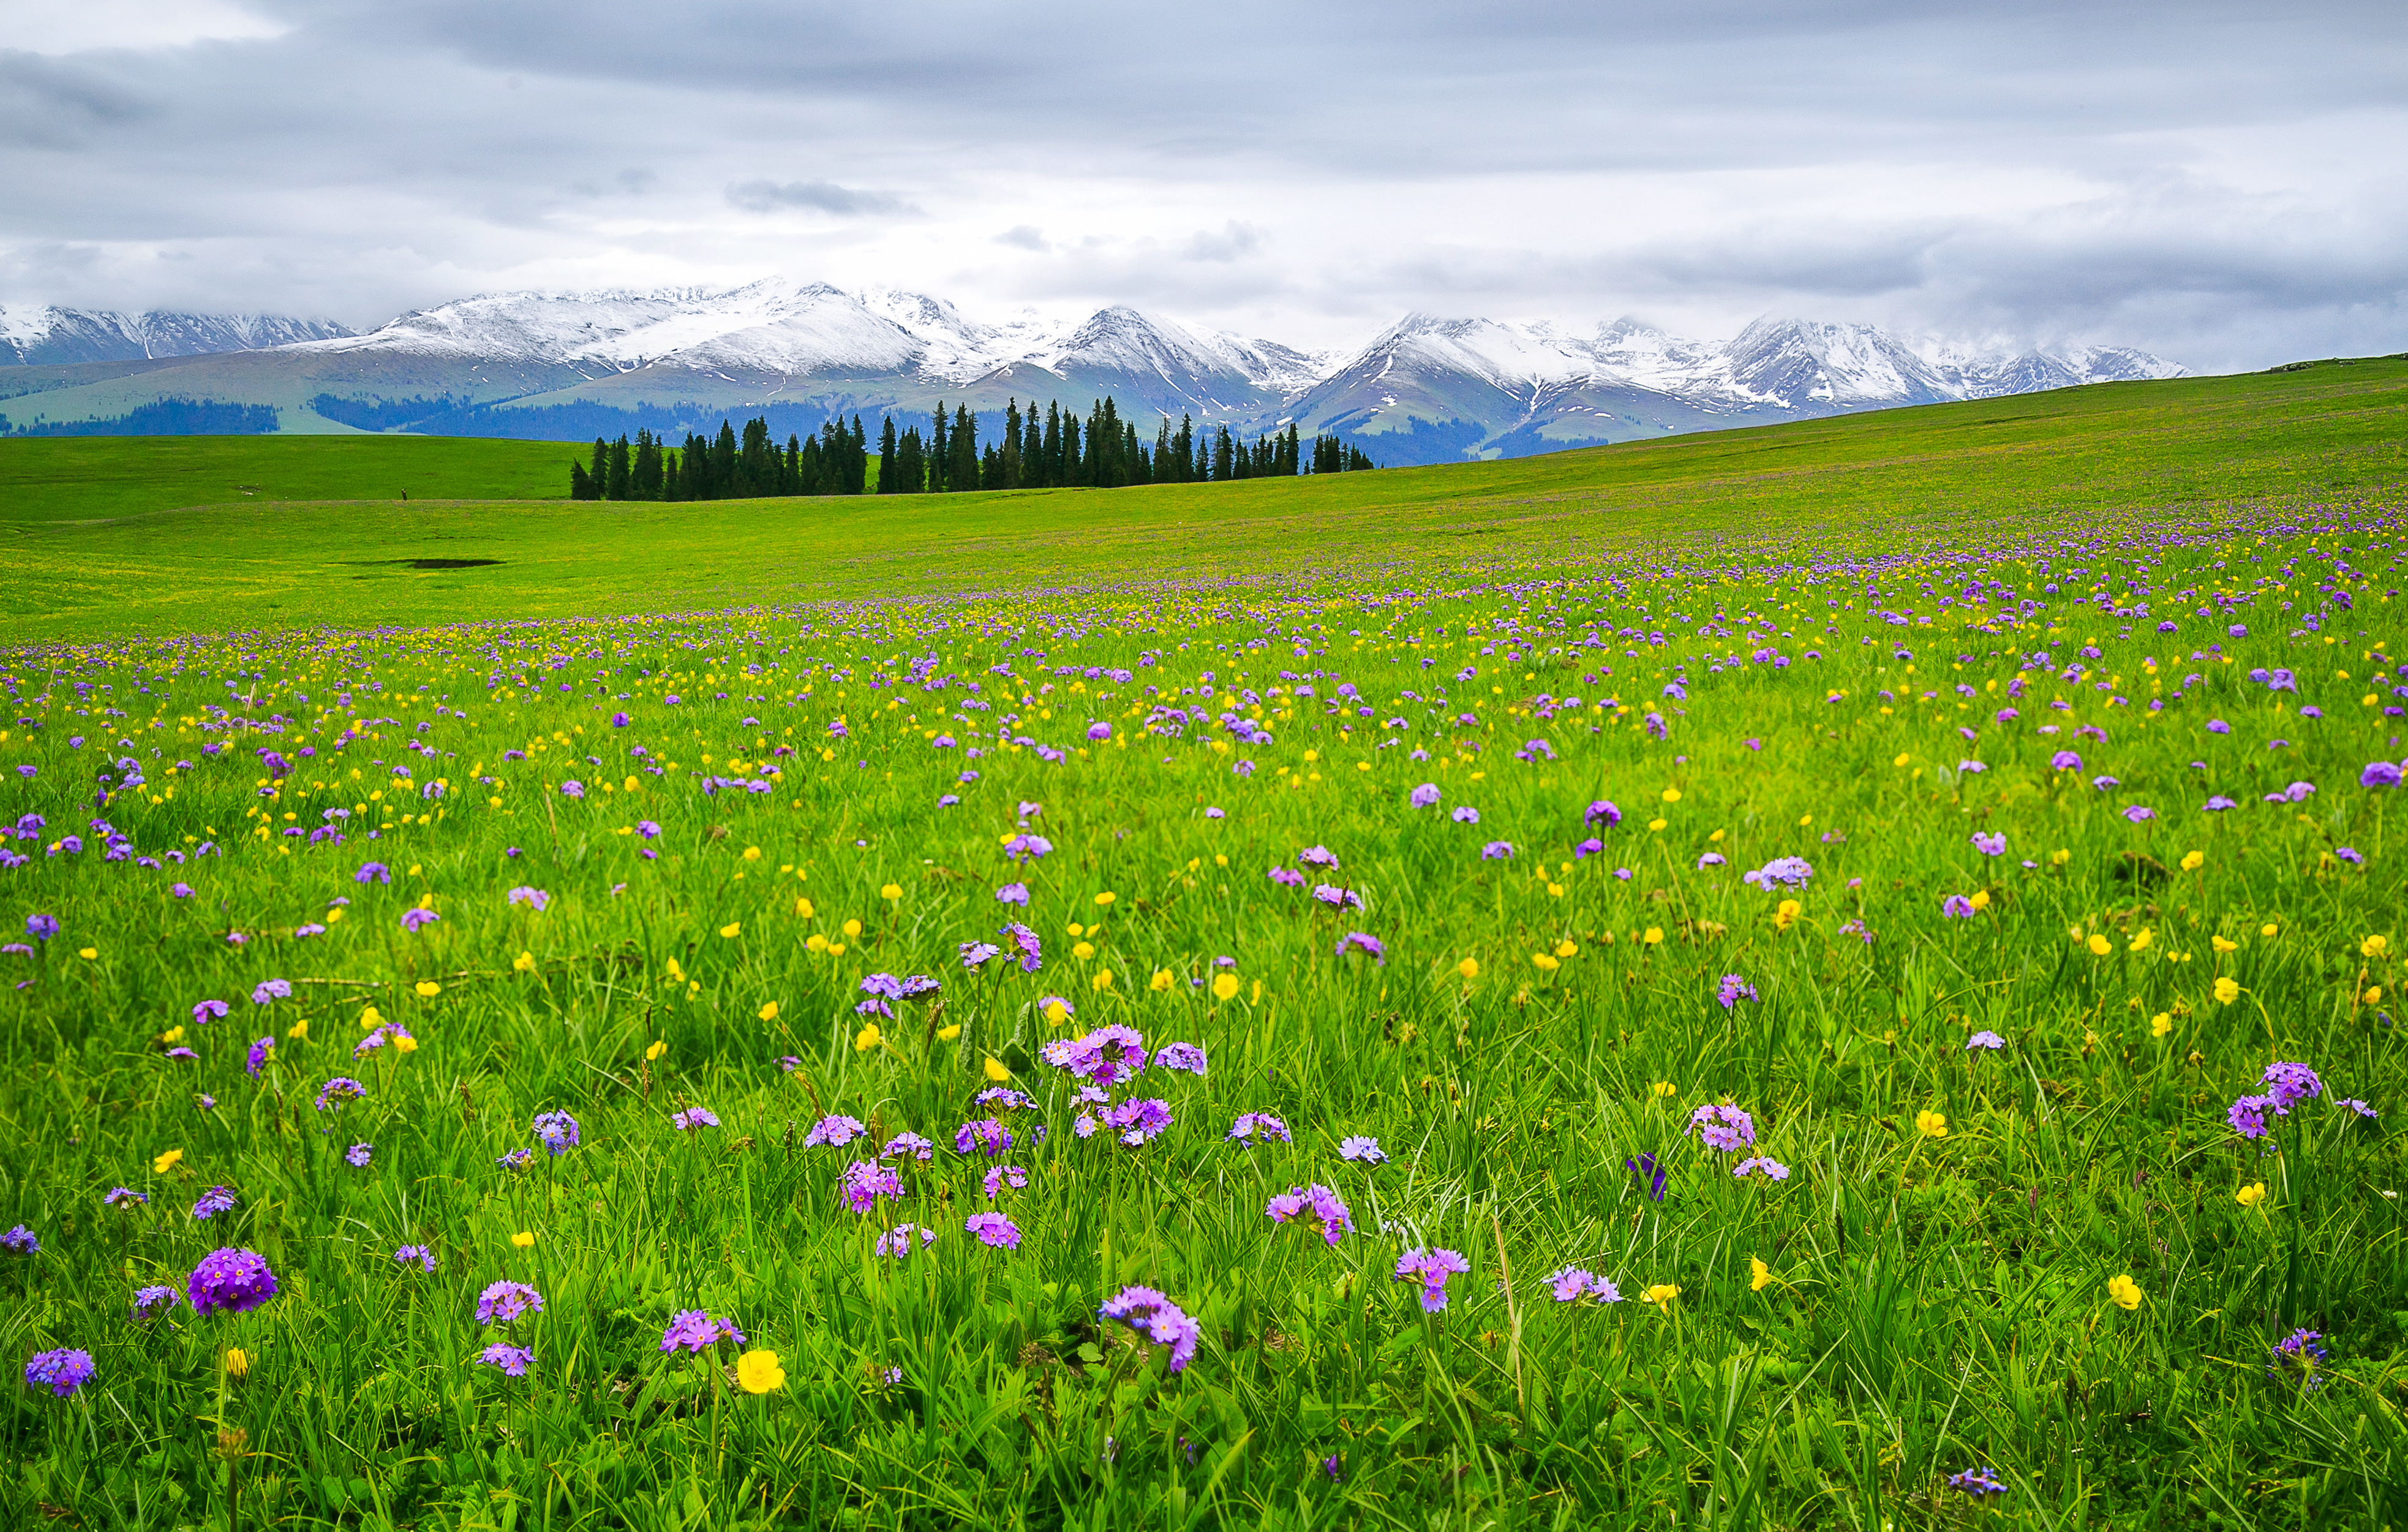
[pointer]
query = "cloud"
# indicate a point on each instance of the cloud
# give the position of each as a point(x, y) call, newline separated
point(763, 196)
point(1023, 237)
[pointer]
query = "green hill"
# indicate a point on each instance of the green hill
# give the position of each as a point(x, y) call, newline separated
point(118, 536)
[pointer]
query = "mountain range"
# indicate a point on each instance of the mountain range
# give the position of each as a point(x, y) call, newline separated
point(572, 365)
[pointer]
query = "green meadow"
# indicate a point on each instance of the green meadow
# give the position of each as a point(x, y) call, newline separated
point(1841, 975)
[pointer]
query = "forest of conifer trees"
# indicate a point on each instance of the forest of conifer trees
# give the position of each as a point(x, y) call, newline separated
point(1058, 451)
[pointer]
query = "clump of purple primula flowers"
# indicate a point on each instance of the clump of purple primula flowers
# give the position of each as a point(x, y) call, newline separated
point(1433, 1269)
point(1152, 1314)
point(863, 1182)
point(1733, 990)
point(1571, 1285)
point(1315, 1207)
point(695, 1331)
point(505, 1302)
point(2299, 1358)
point(230, 1282)
point(2286, 1085)
point(1720, 1125)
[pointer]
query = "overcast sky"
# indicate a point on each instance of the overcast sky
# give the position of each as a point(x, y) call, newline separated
point(2224, 184)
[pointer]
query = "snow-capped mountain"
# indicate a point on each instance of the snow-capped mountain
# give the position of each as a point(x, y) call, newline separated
point(1478, 387)
point(30, 334)
point(1428, 389)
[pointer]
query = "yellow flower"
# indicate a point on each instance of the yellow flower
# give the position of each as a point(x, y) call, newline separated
point(759, 1372)
point(853, 928)
point(2125, 1292)
point(654, 1051)
point(1655, 936)
point(2373, 996)
point(1931, 1124)
point(1786, 914)
point(2144, 941)
point(2373, 946)
point(1903, 758)
point(1083, 951)
point(1663, 1088)
point(523, 1240)
point(949, 1033)
point(1468, 968)
point(2226, 991)
point(1566, 949)
point(1103, 979)
point(1543, 962)
point(523, 962)
point(802, 906)
point(299, 1031)
point(1761, 1275)
point(1225, 986)
point(427, 988)
point(768, 1011)
point(168, 1161)
point(2061, 856)
point(2194, 861)
point(238, 1362)
point(1106, 897)
point(732, 929)
point(89, 953)
point(404, 1044)
point(1658, 823)
point(752, 853)
point(2222, 946)
point(867, 1038)
point(2251, 1195)
point(2160, 1024)
point(892, 890)
point(1161, 982)
point(2269, 928)
point(995, 1070)
point(1058, 1012)
point(1672, 795)
point(1661, 1296)
point(1981, 900)
point(173, 1035)
point(675, 972)
point(2099, 945)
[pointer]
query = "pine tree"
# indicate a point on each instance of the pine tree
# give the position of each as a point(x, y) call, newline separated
point(1049, 452)
point(886, 480)
point(962, 471)
point(1010, 453)
point(599, 470)
point(615, 487)
point(580, 483)
point(670, 489)
point(644, 479)
point(937, 449)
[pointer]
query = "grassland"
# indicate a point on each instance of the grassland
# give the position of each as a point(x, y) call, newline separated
point(2186, 449)
point(1978, 834)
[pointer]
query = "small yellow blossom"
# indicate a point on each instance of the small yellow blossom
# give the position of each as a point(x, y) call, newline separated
point(1225, 986)
point(168, 1161)
point(2193, 861)
point(802, 906)
point(1661, 1296)
point(949, 1032)
point(2160, 1024)
point(523, 1240)
point(2226, 991)
point(995, 1070)
point(891, 891)
point(173, 1035)
point(1082, 950)
point(1981, 900)
point(2141, 943)
point(1672, 795)
point(1103, 979)
point(1931, 1124)
point(404, 1044)
point(1468, 968)
point(2251, 1195)
point(2125, 1292)
point(523, 962)
point(732, 929)
point(1655, 936)
point(759, 1373)
point(1786, 914)
point(752, 853)
point(238, 1362)
point(2269, 928)
point(427, 988)
point(1161, 982)
point(2373, 946)
point(89, 953)
point(867, 1038)
point(1663, 1088)
point(1544, 962)
point(1761, 1275)
point(2222, 946)
point(653, 1052)
point(853, 930)
point(2061, 856)
point(1566, 949)
point(1057, 1011)
point(2100, 946)
point(1106, 897)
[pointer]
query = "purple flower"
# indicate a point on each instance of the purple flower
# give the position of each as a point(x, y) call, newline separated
point(208, 1011)
point(1152, 1314)
point(2288, 1084)
point(697, 1332)
point(1287, 878)
point(1251, 1124)
point(1989, 844)
point(984, 1137)
point(1733, 990)
point(1362, 942)
point(1572, 1284)
point(1187, 1057)
point(1976, 1482)
point(2065, 760)
point(1137, 1120)
point(994, 1230)
point(1109, 1056)
point(694, 1118)
point(41, 928)
point(512, 1360)
point(22, 1241)
point(341, 1089)
point(505, 1302)
point(558, 1131)
point(1316, 1207)
point(1363, 1150)
point(974, 954)
point(150, 1302)
point(999, 1177)
point(230, 1282)
point(1958, 907)
point(357, 1156)
point(1013, 893)
point(1024, 943)
point(2299, 1358)
point(1425, 796)
point(1433, 1269)
point(535, 899)
point(62, 1371)
point(270, 990)
point(1761, 1165)
point(1602, 812)
point(1464, 813)
point(897, 1243)
point(1722, 1126)
point(373, 871)
point(1788, 871)
point(1649, 1174)
point(2381, 773)
point(2248, 1116)
point(2139, 813)
point(1025, 846)
point(122, 1197)
point(572, 789)
point(834, 1132)
point(1496, 851)
point(517, 1159)
point(862, 1183)
point(415, 918)
point(216, 1200)
point(2361, 1107)
point(419, 1253)
point(1989, 1040)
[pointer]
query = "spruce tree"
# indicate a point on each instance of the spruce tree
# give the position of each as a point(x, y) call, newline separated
point(937, 449)
point(886, 457)
point(615, 487)
point(580, 483)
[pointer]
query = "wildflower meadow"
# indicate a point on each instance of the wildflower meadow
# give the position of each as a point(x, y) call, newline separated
point(1852, 1040)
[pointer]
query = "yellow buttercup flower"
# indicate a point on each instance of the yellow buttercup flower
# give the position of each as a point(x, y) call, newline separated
point(523, 1240)
point(1106, 897)
point(2226, 991)
point(2160, 1024)
point(892, 890)
point(1103, 979)
point(759, 1373)
point(427, 988)
point(238, 1362)
point(1566, 949)
point(1786, 914)
point(404, 1044)
point(168, 1161)
point(853, 929)
point(2222, 946)
point(2269, 928)
point(1931, 1124)
point(654, 1051)
point(1057, 1011)
point(995, 1070)
point(2194, 861)
point(2125, 1292)
point(1759, 1275)
point(950, 1032)
point(1661, 1296)
point(2143, 942)
point(2373, 946)
point(298, 1032)
point(370, 1018)
point(867, 1038)
point(2251, 1195)
point(1225, 986)
point(1672, 795)
point(732, 929)
point(523, 962)
point(803, 907)
point(1653, 936)
point(1663, 1088)
point(89, 953)
point(1544, 962)
point(2100, 946)
point(768, 1011)
point(1161, 982)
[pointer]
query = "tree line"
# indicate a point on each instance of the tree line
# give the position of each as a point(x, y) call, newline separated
point(1056, 451)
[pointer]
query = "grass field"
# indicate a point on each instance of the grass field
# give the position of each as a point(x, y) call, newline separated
point(2172, 452)
point(1839, 977)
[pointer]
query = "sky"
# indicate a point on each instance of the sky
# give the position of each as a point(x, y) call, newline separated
point(2224, 186)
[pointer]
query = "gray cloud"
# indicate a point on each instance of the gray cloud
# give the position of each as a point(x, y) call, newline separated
point(761, 196)
point(2213, 181)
